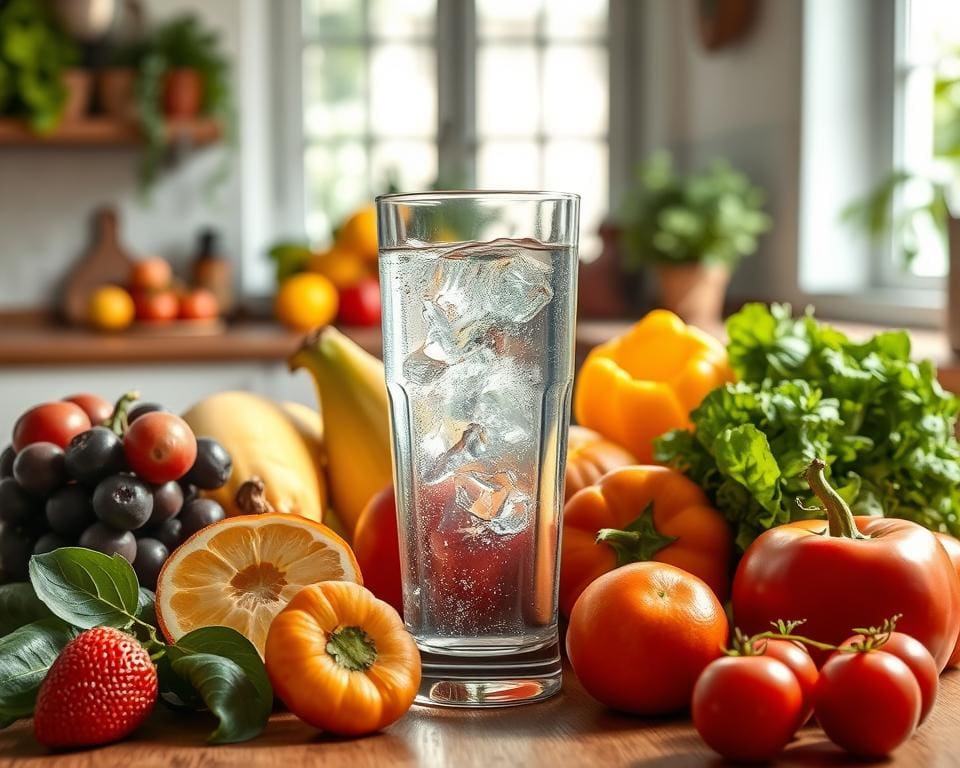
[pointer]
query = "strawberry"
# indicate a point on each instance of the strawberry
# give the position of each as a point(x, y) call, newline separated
point(101, 687)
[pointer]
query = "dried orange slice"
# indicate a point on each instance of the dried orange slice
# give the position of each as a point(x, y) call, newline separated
point(242, 571)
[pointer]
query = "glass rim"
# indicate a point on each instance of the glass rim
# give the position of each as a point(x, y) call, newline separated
point(476, 194)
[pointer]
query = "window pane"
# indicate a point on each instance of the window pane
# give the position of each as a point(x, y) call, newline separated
point(412, 165)
point(576, 18)
point(403, 90)
point(581, 167)
point(402, 18)
point(508, 90)
point(508, 165)
point(507, 18)
point(335, 177)
point(333, 90)
point(334, 19)
point(575, 90)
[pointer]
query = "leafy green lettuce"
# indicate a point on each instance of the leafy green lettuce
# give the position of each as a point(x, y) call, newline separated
point(880, 420)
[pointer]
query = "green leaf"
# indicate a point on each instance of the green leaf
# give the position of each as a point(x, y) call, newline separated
point(86, 588)
point(25, 657)
point(19, 605)
point(224, 641)
point(228, 693)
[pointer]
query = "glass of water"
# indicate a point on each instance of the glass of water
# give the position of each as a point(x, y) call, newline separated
point(479, 298)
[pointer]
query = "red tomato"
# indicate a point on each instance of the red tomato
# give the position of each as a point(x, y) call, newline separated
point(160, 447)
point(56, 423)
point(912, 653)
point(97, 409)
point(360, 303)
point(377, 548)
point(801, 664)
point(952, 547)
point(156, 306)
point(867, 703)
point(153, 274)
point(199, 304)
point(747, 708)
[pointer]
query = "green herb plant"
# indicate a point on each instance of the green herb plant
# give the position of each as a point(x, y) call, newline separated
point(33, 55)
point(714, 216)
point(880, 420)
point(74, 589)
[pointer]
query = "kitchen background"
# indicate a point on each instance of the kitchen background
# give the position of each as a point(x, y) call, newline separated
point(817, 103)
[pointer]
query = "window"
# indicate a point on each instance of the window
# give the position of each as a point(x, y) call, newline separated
point(928, 129)
point(521, 88)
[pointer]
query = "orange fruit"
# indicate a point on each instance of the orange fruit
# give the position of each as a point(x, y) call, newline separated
point(110, 308)
point(341, 659)
point(242, 571)
point(306, 301)
point(359, 233)
point(640, 636)
point(340, 266)
point(151, 274)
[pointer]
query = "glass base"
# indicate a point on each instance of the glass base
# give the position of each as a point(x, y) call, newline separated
point(494, 681)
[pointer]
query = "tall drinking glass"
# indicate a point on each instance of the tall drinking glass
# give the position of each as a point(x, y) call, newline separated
point(479, 298)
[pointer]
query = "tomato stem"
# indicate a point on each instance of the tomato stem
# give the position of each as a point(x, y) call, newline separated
point(873, 638)
point(840, 522)
point(638, 542)
point(118, 419)
point(352, 648)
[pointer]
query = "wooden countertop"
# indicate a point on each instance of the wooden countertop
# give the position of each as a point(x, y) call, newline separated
point(570, 729)
point(32, 342)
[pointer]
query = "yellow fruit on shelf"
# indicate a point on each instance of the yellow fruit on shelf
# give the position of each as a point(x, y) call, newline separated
point(305, 301)
point(110, 308)
point(353, 401)
point(241, 572)
point(278, 442)
point(359, 233)
point(340, 266)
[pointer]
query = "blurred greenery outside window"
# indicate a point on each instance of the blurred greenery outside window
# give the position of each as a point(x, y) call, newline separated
point(484, 93)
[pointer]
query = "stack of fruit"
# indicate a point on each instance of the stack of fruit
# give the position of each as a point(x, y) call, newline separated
point(338, 283)
point(120, 481)
point(150, 297)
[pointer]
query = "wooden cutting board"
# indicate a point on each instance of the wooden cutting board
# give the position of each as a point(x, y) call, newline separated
point(106, 261)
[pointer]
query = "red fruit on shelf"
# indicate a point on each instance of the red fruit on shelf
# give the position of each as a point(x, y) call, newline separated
point(360, 303)
point(160, 447)
point(199, 304)
point(56, 423)
point(96, 408)
point(156, 306)
point(153, 274)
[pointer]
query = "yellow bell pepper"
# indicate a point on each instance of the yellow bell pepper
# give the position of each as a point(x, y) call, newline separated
point(646, 382)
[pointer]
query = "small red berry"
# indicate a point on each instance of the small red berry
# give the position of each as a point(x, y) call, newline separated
point(101, 688)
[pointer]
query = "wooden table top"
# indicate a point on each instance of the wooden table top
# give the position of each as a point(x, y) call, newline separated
point(570, 729)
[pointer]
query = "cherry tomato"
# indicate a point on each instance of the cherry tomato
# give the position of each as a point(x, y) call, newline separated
point(377, 548)
point(56, 423)
point(867, 703)
point(156, 306)
point(360, 303)
point(97, 409)
point(747, 707)
point(199, 304)
point(913, 653)
point(160, 447)
point(801, 664)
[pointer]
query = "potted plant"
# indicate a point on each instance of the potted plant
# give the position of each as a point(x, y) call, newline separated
point(34, 57)
point(694, 230)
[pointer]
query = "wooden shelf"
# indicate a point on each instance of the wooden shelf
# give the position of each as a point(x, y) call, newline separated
point(106, 132)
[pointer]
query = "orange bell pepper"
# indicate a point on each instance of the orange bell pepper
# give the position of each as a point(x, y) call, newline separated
point(640, 513)
point(646, 382)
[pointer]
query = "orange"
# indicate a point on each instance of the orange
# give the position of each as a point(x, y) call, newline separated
point(306, 300)
point(341, 266)
point(242, 571)
point(359, 233)
point(640, 636)
point(110, 308)
point(151, 274)
point(341, 660)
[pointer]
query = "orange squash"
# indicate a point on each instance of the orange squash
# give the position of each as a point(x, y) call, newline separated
point(589, 457)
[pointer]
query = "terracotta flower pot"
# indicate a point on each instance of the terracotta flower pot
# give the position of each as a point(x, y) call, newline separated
point(694, 291)
point(116, 92)
point(78, 84)
point(182, 93)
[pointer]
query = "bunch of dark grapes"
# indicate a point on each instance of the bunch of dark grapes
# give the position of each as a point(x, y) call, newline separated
point(129, 486)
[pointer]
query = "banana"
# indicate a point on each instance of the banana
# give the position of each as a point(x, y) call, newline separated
point(353, 401)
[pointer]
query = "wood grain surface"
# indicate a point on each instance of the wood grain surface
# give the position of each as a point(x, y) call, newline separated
point(568, 730)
